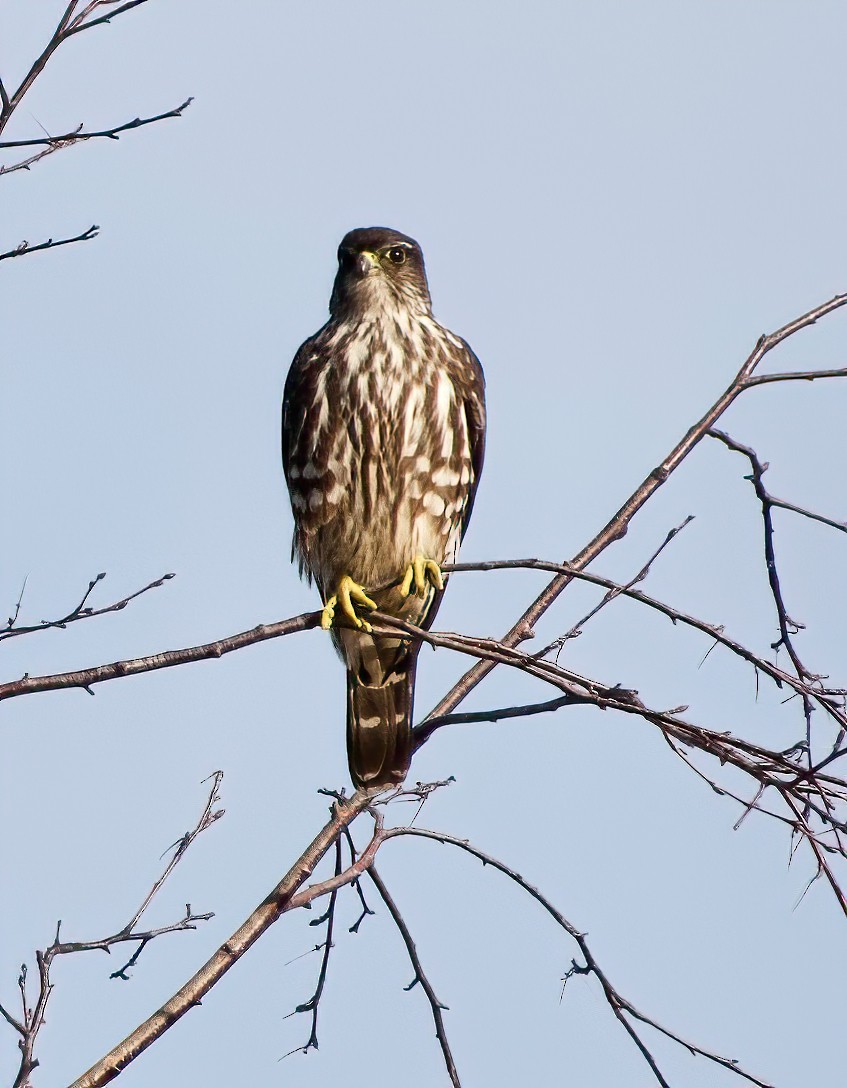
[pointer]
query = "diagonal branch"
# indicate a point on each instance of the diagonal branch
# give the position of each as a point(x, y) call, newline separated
point(87, 678)
point(281, 899)
point(25, 247)
point(825, 697)
point(623, 1010)
point(34, 1017)
point(615, 591)
point(435, 1005)
point(314, 1002)
point(80, 612)
point(72, 21)
point(79, 135)
point(617, 527)
point(787, 626)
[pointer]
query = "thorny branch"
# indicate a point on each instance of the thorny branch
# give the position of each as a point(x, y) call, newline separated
point(33, 1017)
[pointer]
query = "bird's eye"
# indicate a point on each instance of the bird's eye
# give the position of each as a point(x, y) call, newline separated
point(397, 255)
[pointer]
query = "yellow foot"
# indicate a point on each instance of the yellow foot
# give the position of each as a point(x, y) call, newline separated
point(420, 571)
point(347, 594)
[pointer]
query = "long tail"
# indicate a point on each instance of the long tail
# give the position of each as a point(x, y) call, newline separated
point(379, 728)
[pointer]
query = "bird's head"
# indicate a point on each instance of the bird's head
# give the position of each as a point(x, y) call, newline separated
point(379, 267)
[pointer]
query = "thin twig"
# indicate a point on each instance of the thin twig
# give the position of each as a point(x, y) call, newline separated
point(825, 697)
point(79, 135)
point(207, 817)
point(87, 678)
point(80, 611)
point(313, 1004)
point(436, 1006)
point(620, 1006)
point(617, 526)
point(614, 592)
point(24, 247)
point(279, 900)
point(427, 728)
point(34, 1018)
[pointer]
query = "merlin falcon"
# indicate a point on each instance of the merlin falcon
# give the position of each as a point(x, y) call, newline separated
point(383, 435)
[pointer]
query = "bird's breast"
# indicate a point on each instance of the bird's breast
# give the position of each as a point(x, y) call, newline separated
point(383, 472)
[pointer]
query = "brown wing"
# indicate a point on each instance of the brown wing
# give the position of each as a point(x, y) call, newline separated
point(470, 380)
point(303, 439)
point(297, 399)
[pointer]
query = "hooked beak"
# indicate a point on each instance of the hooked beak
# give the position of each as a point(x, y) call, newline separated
point(366, 262)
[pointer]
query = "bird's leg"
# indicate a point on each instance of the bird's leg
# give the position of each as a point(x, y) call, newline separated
point(347, 593)
point(420, 571)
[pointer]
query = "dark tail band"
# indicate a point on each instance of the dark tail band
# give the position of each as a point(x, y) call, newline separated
point(379, 729)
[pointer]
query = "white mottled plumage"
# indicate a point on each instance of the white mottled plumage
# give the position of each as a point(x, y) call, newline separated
point(383, 437)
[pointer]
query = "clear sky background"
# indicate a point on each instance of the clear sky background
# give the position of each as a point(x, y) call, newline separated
point(615, 200)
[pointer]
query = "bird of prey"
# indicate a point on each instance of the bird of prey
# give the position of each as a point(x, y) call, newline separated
point(383, 435)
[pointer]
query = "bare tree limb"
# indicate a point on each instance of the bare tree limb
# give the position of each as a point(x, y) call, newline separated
point(313, 1004)
point(87, 678)
point(80, 612)
point(623, 1009)
point(423, 732)
point(71, 22)
point(615, 591)
point(617, 527)
point(24, 247)
point(826, 697)
point(281, 899)
point(208, 816)
point(436, 1006)
point(787, 626)
point(33, 1019)
point(79, 135)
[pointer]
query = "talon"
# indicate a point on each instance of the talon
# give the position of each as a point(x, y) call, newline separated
point(419, 571)
point(328, 614)
point(349, 594)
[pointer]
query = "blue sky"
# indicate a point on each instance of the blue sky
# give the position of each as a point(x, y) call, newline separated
point(614, 201)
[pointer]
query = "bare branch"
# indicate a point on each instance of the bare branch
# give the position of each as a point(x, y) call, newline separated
point(313, 1004)
point(79, 23)
point(825, 697)
point(34, 1019)
point(617, 527)
point(80, 135)
point(87, 678)
point(425, 730)
point(787, 626)
point(209, 815)
point(279, 900)
point(435, 1005)
point(620, 1006)
point(80, 612)
point(795, 376)
point(615, 591)
point(25, 247)
point(71, 22)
